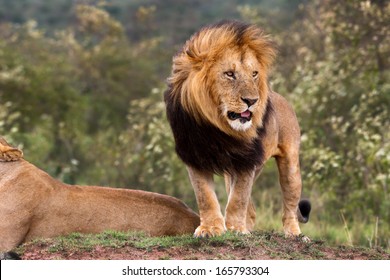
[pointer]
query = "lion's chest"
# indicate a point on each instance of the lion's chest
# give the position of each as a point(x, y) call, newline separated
point(205, 147)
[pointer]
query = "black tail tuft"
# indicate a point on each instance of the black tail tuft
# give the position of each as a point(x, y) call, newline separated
point(304, 211)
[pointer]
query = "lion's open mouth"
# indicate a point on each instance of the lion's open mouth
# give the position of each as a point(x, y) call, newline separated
point(243, 117)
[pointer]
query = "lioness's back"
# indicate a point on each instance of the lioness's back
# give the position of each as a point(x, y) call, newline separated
point(94, 209)
point(35, 205)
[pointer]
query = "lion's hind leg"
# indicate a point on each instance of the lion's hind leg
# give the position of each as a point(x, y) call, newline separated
point(291, 184)
point(9, 153)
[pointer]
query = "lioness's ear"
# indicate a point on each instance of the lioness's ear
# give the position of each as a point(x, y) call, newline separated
point(9, 153)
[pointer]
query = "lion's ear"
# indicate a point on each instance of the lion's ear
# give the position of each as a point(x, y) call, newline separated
point(194, 57)
point(190, 53)
point(265, 50)
point(261, 44)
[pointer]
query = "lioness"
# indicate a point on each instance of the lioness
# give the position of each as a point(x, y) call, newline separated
point(226, 120)
point(34, 205)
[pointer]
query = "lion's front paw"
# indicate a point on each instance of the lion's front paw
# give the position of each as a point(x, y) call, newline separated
point(208, 231)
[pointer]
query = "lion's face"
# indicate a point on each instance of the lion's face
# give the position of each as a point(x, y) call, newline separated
point(220, 77)
point(237, 87)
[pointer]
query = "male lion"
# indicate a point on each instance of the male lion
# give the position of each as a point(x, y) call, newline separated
point(35, 205)
point(226, 120)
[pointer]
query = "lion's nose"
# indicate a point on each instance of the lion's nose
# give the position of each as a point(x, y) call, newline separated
point(249, 101)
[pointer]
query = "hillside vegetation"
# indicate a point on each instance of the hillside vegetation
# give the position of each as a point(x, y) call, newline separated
point(81, 85)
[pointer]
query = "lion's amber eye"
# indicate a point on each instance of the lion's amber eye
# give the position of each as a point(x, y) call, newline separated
point(254, 74)
point(230, 74)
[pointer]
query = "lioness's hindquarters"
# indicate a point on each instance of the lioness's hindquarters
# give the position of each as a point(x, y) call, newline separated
point(225, 120)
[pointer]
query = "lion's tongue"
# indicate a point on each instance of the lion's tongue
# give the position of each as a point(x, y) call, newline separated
point(245, 114)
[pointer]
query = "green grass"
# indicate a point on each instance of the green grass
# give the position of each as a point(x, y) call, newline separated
point(115, 239)
point(269, 243)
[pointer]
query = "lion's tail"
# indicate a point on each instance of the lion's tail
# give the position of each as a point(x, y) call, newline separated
point(304, 209)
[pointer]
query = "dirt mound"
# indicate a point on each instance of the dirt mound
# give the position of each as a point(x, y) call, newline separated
point(133, 246)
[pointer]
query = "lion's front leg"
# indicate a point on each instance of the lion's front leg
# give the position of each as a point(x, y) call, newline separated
point(211, 220)
point(238, 206)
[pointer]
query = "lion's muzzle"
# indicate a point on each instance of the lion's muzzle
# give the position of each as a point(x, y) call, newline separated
point(243, 117)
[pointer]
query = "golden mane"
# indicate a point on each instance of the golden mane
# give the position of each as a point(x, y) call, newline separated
point(192, 78)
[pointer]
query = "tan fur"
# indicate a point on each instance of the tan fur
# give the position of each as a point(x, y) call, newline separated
point(34, 205)
point(201, 82)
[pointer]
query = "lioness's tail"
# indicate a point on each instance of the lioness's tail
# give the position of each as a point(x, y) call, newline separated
point(9, 153)
point(304, 209)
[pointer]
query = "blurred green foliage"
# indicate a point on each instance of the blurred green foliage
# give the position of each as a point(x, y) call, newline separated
point(340, 86)
point(81, 85)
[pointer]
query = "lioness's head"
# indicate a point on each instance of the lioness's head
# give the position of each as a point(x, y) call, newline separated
point(220, 77)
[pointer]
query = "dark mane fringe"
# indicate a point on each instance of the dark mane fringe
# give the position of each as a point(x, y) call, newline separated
point(206, 148)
